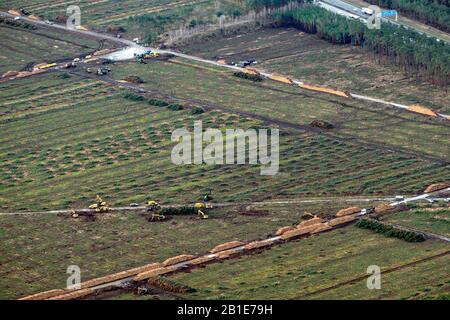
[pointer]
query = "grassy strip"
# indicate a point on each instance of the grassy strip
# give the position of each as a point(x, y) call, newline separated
point(390, 231)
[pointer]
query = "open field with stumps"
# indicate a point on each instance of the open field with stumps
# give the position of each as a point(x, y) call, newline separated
point(22, 48)
point(91, 175)
point(307, 58)
point(329, 266)
point(353, 119)
point(146, 19)
point(81, 137)
point(36, 249)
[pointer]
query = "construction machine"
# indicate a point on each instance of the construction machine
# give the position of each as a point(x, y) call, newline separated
point(103, 71)
point(141, 57)
point(155, 209)
point(99, 205)
point(69, 65)
point(24, 12)
point(206, 200)
point(244, 63)
point(199, 206)
point(151, 54)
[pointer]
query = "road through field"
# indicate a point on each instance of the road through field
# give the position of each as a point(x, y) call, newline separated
point(130, 43)
point(440, 194)
point(123, 279)
point(219, 205)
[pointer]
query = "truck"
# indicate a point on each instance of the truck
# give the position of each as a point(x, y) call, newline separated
point(367, 11)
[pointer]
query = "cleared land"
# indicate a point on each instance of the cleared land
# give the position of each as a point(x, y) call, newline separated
point(353, 119)
point(138, 18)
point(37, 249)
point(66, 140)
point(326, 266)
point(308, 58)
point(22, 48)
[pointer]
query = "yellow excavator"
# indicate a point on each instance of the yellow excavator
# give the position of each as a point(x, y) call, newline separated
point(207, 198)
point(155, 209)
point(99, 205)
point(204, 205)
point(199, 206)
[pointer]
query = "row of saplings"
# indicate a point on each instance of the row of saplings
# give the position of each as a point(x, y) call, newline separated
point(155, 212)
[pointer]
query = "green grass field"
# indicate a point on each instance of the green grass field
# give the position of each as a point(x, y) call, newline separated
point(322, 267)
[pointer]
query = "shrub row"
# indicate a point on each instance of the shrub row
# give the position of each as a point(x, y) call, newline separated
point(175, 107)
point(390, 231)
point(161, 103)
point(158, 103)
point(248, 76)
point(180, 211)
point(133, 97)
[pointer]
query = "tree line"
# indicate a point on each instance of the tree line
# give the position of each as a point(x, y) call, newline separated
point(258, 4)
point(432, 12)
point(415, 53)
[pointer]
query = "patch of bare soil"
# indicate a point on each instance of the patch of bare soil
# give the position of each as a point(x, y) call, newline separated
point(253, 212)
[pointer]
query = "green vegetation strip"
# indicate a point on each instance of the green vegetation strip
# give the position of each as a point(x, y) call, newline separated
point(390, 231)
point(179, 211)
point(252, 77)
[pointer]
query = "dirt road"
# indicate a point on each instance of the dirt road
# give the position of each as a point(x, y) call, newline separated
point(219, 205)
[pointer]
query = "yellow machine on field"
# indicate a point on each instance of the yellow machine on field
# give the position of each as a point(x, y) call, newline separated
point(141, 57)
point(155, 209)
point(99, 205)
point(200, 213)
point(150, 55)
point(204, 205)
